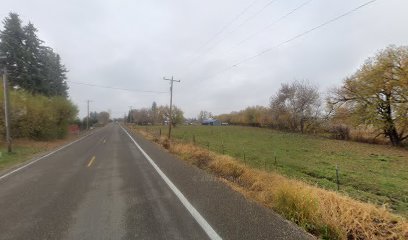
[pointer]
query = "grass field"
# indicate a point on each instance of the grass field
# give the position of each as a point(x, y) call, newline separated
point(24, 150)
point(372, 173)
point(19, 154)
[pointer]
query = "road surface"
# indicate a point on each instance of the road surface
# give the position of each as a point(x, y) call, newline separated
point(113, 185)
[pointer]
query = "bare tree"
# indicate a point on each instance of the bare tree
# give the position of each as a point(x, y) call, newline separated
point(204, 115)
point(295, 105)
point(142, 116)
point(163, 113)
point(103, 118)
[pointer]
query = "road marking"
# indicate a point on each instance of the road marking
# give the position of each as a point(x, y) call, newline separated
point(196, 215)
point(47, 155)
point(91, 161)
point(104, 141)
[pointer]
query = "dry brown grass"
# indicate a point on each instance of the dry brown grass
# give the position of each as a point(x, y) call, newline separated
point(47, 145)
point(367, 135)
point(325, 214)
point(26, 149)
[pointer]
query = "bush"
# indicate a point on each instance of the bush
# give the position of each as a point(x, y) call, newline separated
point(340, 132)
point(38, 117)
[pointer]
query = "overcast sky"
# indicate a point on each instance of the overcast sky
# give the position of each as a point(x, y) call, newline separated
point(134, 44)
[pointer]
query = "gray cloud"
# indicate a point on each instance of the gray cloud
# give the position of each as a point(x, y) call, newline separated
point(133, 44)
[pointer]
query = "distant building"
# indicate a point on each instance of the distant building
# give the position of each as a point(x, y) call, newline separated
point(211, 122)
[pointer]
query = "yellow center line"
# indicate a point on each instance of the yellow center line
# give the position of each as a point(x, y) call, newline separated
point(91, 161)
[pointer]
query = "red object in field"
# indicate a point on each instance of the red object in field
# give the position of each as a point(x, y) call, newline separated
point(73, 129)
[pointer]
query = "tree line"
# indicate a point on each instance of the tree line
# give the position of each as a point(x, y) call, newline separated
point(374, 98)
point(95, 119)
point(38, 91)
point(155, 115)
point(30, 64)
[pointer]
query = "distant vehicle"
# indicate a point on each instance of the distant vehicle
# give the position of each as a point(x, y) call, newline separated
point(211, 122)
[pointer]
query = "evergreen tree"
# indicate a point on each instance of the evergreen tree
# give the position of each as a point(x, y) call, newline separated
point(12, 46)
point(32, 75)
point(154, 113)
point(60, 83)
point(31, 66)
point(130, 116)
point(53, 73)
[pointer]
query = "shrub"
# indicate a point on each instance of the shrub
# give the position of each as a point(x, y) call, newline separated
point(340, 132)
point(37, 116)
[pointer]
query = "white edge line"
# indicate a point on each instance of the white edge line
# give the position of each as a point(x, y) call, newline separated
point(42, 157)
point(196, 215)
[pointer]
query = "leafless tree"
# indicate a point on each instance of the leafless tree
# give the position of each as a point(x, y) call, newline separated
point(204, 115)
point(103, 117)
point(296, 105)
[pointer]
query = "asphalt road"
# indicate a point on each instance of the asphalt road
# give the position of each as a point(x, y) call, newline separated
point(109, 186)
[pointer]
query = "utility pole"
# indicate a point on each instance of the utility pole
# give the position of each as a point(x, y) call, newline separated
point(87, 118)
point(130, 115)
point(171, 102)
point(6, 110)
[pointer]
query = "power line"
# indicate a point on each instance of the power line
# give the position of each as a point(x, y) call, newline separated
point(295, 37)
point(241, 24)
point(197, 54)
point(232, 31)
point(226, 26)
point(272, 24)
point(254, 15)
point(304, 33)
point(115, 88)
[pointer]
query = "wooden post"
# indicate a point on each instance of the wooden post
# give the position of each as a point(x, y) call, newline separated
point(6, 111)
point(337, 178)
point(244, 156)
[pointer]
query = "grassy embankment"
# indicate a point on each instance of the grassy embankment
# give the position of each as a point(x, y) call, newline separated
point(24, 150)
point(370, 173)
